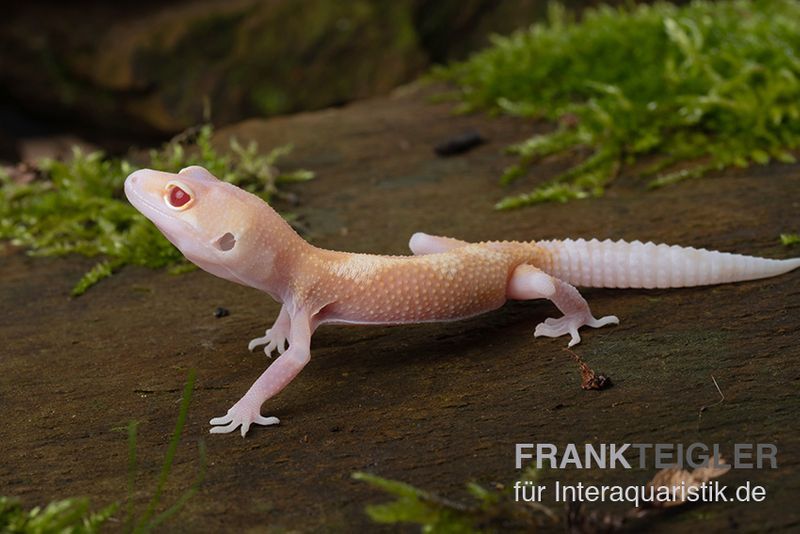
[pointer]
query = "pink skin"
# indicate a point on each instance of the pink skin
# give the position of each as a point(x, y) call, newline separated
point(235, 235)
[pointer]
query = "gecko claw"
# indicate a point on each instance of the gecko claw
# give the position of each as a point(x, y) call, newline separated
point(223, 429)
point(569, 324)
point(257, 342)
point(280, 345)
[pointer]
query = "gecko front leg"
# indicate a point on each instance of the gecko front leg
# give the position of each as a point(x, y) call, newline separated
point(275, 337)
point(528, 282)
point(277, 376)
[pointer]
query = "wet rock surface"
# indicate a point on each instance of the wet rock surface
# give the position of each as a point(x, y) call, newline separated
point(435, 405)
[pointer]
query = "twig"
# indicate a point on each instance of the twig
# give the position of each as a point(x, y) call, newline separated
point(706, 407)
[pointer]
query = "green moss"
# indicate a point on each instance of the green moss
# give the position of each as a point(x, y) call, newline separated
point(70, 516)
point(695, 88)
point(413, 505)
point(489, 511)
point(79, 206)
point(790, 240)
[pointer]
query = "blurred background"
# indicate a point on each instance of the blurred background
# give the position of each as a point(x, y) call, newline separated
point(117, 74)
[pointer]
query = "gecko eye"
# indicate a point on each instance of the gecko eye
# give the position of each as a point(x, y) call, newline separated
point(178, 196)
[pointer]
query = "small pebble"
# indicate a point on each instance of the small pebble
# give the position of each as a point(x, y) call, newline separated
point(459, 144)
point(221, 312)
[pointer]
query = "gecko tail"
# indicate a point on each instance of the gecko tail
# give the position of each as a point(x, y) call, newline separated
point(622, 264)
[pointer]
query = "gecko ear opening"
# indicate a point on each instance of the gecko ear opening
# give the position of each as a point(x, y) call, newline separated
point(225, 242)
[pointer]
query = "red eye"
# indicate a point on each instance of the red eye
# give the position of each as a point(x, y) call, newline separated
point(177, 197)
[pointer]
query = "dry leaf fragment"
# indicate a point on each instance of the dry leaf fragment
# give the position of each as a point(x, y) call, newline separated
point(672, 477)
point(590, 379)
point(22, 173)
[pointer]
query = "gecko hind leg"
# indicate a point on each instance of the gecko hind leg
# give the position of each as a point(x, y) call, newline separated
point(422, 244)
point(275, 337)
point(528, 282)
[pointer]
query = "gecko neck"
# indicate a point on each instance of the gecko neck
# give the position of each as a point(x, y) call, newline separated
point(280, 251)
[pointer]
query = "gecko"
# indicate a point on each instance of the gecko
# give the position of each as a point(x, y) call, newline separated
point(237, 236)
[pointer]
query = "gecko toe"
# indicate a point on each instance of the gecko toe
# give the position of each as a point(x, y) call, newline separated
point(603, 321)
point(255, 343)
point(223, 429)
point(227, 418)
point(266, 421)
point(273, 339)
point(551, 327)
point(245, 428)
point(575, 337)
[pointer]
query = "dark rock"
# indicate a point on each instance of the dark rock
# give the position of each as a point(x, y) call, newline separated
point(155, 67)
point(151, 68)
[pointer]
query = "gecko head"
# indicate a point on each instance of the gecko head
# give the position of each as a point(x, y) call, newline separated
point(206, 218)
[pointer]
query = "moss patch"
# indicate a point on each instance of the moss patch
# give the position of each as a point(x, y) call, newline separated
point(699, 87)
point(790, 240)
point(79, 206)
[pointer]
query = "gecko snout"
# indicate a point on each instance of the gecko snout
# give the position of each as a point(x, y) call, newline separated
point(130, 184)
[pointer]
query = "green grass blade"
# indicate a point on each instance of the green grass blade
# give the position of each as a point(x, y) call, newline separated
point(144, 522)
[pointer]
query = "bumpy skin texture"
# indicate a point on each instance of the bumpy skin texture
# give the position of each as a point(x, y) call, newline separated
point(235, 235)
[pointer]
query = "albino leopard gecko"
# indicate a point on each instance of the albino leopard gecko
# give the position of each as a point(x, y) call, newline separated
point(235, 235)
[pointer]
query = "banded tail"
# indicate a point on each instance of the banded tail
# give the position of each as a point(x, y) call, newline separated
point(622, 264)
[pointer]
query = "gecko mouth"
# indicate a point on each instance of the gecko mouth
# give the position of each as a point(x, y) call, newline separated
point(139, 201)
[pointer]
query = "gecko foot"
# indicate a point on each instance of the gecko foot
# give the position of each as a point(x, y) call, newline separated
point(569, 324)
point(274, 338)
point(241, 414)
